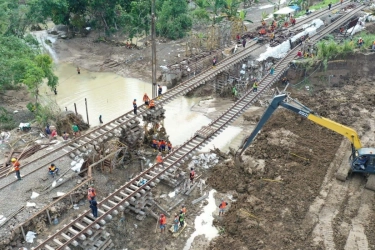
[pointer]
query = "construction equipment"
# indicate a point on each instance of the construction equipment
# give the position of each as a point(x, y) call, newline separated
point(361, 160)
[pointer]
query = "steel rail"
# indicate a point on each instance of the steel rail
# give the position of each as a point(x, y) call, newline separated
point(185, 151)
point(167, 97)
point(115, 124)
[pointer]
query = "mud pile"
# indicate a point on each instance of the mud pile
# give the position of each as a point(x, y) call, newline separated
point(283, 171)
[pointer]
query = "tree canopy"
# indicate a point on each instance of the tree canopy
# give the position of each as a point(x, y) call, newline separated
point(173, 20)
point(22, 62)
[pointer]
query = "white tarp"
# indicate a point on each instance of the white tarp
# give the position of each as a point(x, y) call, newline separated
point(30, 236)
point(284, 11)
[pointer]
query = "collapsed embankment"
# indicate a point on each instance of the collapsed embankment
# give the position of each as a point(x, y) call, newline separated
point(284, 168)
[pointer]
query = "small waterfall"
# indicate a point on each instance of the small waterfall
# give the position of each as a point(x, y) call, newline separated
point(41, 37)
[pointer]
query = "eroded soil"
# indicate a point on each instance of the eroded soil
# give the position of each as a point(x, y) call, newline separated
point(288, 197)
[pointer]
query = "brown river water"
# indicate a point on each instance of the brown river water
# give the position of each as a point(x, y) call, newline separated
point(111, 95)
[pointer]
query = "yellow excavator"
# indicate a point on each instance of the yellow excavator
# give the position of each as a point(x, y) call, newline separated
point(361, 160)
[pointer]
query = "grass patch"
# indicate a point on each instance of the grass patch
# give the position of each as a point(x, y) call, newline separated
point(368, 39)
point(323, 4)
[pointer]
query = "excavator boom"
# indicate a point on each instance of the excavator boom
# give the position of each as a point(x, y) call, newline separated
point(362, 160)
point(302, 110)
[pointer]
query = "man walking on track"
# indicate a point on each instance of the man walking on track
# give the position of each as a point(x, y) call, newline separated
point(94, 208)
point(16, 168)
point(91, 193)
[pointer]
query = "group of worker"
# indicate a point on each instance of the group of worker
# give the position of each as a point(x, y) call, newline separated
point(52, 133)
point(274, 25)
point(305, 54)
point(161, 145)
point(148, 102)
point(271, 29)
point(52, 169)
point(179, 218)
point(178, 221)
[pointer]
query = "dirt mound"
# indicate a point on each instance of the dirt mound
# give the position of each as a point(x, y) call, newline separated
point(274, 198)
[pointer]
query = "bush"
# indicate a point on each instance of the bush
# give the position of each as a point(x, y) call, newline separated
point(173, 19)
point(6, 120)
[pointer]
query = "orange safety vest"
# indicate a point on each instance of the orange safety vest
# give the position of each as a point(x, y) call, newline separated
point(16, 166)
point(91, 193)
point(162, 143)
point(163, 220)
point(223, 204)
point(146, 98)
point(159, 159)
point(154, 142)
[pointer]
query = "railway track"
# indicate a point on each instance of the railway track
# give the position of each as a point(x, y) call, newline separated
point(79, 145)
point(84, 226)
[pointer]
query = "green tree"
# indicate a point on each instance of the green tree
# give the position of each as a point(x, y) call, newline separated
point(173, 20)
point(209, 10)
point(22, 63)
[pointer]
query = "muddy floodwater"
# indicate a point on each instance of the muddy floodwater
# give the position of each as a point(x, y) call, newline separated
point(111, 96)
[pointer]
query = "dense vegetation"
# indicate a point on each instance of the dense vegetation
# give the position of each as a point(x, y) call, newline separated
point(21, 60)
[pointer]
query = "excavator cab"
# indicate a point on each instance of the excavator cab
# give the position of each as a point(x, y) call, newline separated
point(364, 161)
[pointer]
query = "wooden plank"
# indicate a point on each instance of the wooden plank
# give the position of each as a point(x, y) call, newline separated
point(180, 230)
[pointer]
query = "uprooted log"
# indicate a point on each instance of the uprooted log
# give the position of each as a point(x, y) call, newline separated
point(65, 121)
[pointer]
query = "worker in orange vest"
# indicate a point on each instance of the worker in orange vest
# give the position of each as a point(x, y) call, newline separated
point(91, 193)
point(169, 147)
point(146, 99)
point(162, 223)
point(159, 159)
point(155, 144)
point(162, 145)
point(222, 207)
point(16, 167)
point(360, 42)
point(183, 209)
point(152, 104)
